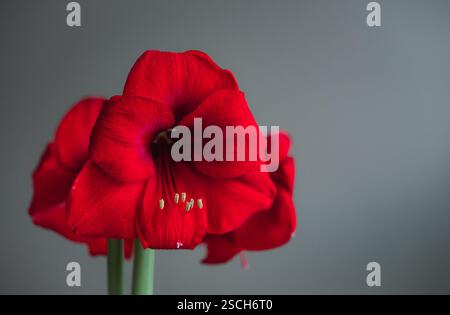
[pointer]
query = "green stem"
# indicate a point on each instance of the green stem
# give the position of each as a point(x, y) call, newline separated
point(142, 270)
point(115, 266)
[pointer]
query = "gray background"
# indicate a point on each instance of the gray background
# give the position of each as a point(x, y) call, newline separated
point(368, 109)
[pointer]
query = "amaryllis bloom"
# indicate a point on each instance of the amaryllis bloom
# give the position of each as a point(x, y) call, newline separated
point(60, 164)
point(266, 229)
point(132, 187)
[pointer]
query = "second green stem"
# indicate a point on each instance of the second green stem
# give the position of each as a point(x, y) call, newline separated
point(142, 270)
point(115, 266)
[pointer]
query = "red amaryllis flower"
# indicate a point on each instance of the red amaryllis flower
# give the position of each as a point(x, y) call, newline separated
point(132, 186)
point(57, 170)
point(266, 229)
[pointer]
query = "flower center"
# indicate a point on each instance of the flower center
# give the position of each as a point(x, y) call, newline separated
point(174, 200)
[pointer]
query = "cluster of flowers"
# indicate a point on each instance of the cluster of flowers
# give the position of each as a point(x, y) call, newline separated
point(108, 173)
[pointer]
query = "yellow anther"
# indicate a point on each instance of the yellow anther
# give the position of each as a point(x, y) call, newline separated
point(161, 203)
point(177, 197)
point(200, 203)
point(183, 196)
point(190, 205)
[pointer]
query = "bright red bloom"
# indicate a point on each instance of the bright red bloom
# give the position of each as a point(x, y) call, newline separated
point(57, 170)
point(266, 229)
point(119, 191)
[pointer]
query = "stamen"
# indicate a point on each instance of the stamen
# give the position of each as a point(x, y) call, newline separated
point(200, 203)
point(183, 196)
point(188, 206)
point(177, 197)
point(161, 203)
point(179, 244)
point(244, 261)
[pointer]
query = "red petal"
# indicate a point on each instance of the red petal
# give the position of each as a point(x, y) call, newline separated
point(128, 248)
point(122, 137)
point(55, 219)
point(51, 182)
point(99, 205)
point(72, 135)
point(284, 146)
point(230, 80)
point(52, 185)
point(226, 108)
point(275, 227)
point(98, 246)
point(284, 176)
point(181, 80)
point(265, 229)
point(234, 201)
point(269, 229)
point(220, 248)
